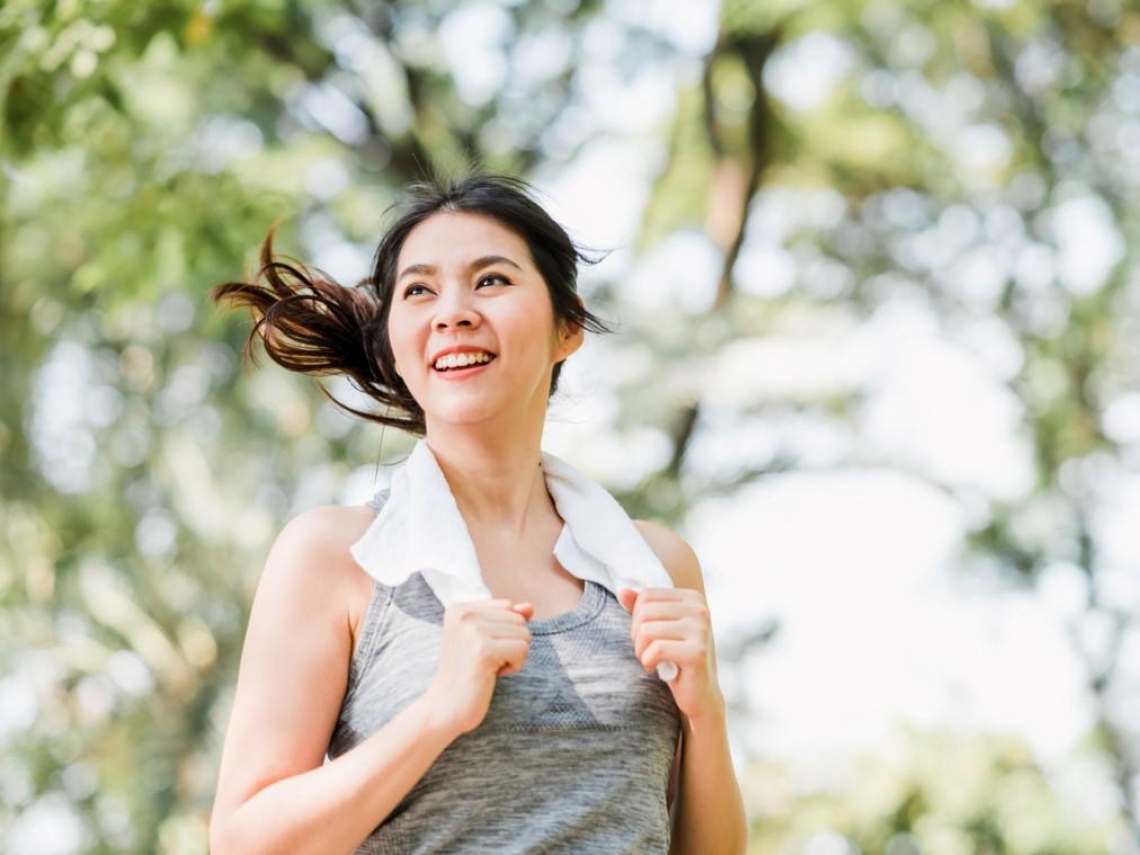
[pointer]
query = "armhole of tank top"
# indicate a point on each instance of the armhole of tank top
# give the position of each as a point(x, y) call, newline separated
point(374, 620)
point(374, 616)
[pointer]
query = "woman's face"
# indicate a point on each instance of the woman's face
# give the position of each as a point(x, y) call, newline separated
point(454, 296)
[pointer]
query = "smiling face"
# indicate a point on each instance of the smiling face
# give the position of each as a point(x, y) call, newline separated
point(455, 296)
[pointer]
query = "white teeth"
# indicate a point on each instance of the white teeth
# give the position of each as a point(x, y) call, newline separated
point(460, 360)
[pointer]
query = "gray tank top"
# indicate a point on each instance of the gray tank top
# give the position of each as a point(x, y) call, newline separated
point(573, 756)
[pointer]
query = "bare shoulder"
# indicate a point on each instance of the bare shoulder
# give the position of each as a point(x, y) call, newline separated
point(675, 553)
point(341, 523)
point(323, 535)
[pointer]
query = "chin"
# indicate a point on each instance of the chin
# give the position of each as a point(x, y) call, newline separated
point(459, 413)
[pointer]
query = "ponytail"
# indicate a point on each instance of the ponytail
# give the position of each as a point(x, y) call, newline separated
point(310, 324)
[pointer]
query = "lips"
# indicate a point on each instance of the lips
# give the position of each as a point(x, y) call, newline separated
point(460, 373)
point(460, 350)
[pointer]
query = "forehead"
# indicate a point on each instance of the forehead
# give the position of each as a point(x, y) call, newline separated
point(455, 237)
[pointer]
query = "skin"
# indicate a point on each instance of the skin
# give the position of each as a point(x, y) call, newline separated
point(510, 314)
point(486, 431)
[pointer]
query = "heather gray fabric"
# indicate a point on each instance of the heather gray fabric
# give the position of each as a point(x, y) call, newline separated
point(573, 756)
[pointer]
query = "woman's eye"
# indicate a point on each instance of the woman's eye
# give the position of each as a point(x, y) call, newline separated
point(503, 279)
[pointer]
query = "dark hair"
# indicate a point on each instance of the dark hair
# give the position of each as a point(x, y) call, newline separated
point(312, 325)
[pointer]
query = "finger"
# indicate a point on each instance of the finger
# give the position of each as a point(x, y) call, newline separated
point(660, 610)
point(481, 606)
point(654, 595)
point(660, 650)
point(508, 652)
point(661, 630)
point(510, 631)
point(496, 625)
point(505, 618)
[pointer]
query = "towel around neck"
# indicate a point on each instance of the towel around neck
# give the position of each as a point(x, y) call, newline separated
point(420, 529)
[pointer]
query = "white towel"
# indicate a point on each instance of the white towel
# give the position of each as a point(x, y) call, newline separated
point(420, 528)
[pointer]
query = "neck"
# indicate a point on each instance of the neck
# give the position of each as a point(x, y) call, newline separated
point(500, 489)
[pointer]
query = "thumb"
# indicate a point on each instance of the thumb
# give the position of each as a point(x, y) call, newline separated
point(627, 597)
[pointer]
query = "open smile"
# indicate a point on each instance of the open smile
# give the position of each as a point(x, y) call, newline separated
point(463, 373)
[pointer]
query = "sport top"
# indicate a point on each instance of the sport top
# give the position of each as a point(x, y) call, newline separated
point(574, 753)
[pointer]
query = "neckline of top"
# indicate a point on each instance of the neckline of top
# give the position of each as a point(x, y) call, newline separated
point(589, 604)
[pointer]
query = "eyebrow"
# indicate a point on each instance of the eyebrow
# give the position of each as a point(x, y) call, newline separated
point(477, 264)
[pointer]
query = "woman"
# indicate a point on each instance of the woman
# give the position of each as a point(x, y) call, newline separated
point(529, 721)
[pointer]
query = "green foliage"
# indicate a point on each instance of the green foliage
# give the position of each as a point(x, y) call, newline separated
point(926, 791)
point(145, 150)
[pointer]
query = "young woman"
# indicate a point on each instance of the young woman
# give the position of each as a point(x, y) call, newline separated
point(531, 721)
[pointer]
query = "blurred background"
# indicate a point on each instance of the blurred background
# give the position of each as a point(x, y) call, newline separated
point(875, 271)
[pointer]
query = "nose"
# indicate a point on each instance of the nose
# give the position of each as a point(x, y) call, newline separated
point(454, 309)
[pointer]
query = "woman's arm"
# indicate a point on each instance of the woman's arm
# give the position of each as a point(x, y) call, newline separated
point(710, 818)
point(334, 807)
point(275, 793)
point(710, 811)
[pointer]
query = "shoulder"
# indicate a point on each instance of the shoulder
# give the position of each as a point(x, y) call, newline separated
point(312, 549)
point(325, 531)
point(675, 553)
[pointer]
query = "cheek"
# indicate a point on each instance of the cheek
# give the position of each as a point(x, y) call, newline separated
point(403, 348)
point(527, 328)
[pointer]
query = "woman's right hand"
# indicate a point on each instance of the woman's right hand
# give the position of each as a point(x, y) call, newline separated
point(482, 641)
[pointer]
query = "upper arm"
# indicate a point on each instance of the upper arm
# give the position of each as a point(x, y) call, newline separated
point(294, 662)
point(675, 554)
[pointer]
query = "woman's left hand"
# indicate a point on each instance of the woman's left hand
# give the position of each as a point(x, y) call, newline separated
point(673, 624)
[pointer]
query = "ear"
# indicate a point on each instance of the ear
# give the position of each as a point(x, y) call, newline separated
point(570, 340)
point(571, 335)
point(628, 598)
